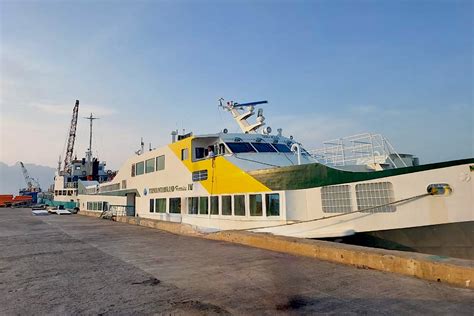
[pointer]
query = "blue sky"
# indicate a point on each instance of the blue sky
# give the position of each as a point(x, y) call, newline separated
point(328, 68)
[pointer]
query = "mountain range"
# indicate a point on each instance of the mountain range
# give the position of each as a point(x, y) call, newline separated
point(11, 177)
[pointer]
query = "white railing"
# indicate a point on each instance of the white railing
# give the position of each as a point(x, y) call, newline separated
point(361, 149)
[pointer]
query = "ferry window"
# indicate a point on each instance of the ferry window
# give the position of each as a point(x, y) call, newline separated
point(150, 165)
point(64, 192)
point(160, 205)
point(69, 192)
point(184, 154)
point(272, 202)
point(199, 152)
point(200, 175)
point(193, 205)
point(256, 202)
point(152, 205)
point(133, 170)
point(264, 147)
point(214, 205)
point(100, 206)
point(239, 205)
point(222, 149)
point(282, 148)
point(175, 205)
point(226, 205)
point(203, 205)
point(160, 163)
point(140, 166)
point(241, 148)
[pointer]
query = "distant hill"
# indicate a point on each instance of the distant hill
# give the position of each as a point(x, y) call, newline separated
point(11, 177)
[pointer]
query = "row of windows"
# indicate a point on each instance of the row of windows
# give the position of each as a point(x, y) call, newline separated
point(149, 165)
point(159, 205)
point(64, 192)
point(229, 205)
point(97, 206)
point(241, 147)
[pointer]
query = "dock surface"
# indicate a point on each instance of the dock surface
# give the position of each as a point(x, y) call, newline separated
point(74, 264)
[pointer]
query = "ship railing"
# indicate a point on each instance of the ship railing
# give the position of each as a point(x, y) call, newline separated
point(358, 149)
point(109, 187)
point(122, 210)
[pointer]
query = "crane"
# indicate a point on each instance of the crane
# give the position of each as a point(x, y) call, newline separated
point(31, 183)
point(71, 139)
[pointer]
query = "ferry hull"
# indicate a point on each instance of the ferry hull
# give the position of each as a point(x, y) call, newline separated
point(452, 240)
point(307, 218)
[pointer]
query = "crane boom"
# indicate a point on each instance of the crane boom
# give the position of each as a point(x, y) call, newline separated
point(28, 180)
point(71, 139)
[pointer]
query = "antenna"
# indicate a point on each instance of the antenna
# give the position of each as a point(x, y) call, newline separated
point(89, 150)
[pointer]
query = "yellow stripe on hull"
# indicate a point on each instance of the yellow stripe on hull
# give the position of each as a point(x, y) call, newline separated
point(223, 176)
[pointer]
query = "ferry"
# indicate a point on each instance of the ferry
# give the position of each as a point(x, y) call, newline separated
point(266, 182)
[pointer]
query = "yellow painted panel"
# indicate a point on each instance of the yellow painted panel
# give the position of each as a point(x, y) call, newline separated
point(223, 176)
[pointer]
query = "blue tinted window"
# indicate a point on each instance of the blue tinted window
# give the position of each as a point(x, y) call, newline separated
point(282, 148)
point(240, 147)
point(264, 147)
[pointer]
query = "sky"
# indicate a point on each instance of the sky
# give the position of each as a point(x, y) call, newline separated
point(329, 69)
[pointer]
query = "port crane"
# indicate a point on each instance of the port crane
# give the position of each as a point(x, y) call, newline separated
point(32, 185)
point(71, 139)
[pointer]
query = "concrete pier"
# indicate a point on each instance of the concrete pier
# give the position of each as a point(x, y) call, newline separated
point(83, 265)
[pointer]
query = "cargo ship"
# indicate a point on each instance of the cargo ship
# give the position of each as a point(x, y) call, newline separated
point(72, 173)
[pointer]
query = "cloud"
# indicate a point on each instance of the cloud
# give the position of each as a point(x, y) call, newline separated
point(66, 109)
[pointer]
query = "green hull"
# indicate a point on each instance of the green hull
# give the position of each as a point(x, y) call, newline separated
point(318, 175)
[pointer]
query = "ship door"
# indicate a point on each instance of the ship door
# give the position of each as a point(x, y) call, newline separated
point(131, 204)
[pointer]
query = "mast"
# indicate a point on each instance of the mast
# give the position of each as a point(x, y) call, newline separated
point(89, 150)
point(248, 111)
